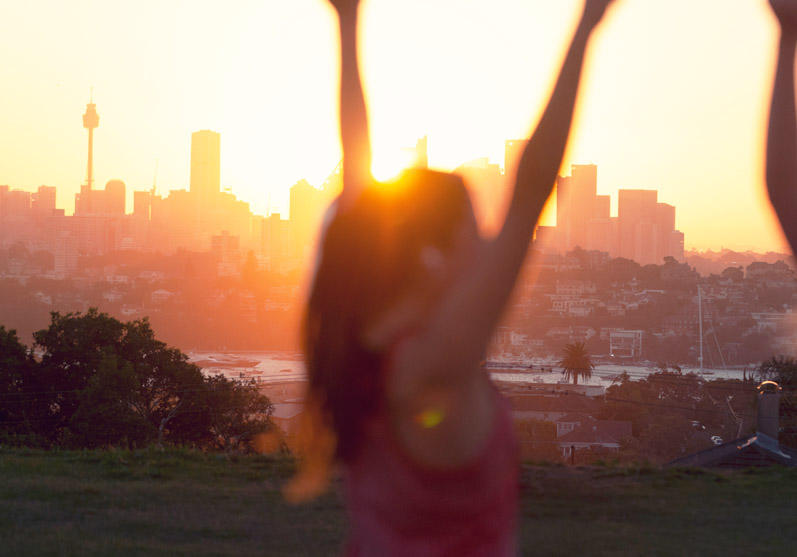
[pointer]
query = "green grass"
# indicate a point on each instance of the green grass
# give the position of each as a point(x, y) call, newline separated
point(189, 503)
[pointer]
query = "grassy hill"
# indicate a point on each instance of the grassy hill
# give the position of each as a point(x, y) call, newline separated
point(189, 503)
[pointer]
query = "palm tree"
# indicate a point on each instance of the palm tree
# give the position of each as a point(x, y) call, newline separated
point(576, 362)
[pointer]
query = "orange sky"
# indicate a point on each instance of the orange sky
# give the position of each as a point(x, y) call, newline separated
point(674, 98)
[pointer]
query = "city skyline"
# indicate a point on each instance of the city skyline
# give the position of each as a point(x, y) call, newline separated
point(694, 144)
point(641, 228)
point(205, 159)
point(206, 218)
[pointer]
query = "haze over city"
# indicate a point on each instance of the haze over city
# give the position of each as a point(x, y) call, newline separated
point(673, 99)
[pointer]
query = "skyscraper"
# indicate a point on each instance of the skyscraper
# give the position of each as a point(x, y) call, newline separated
point(142, 202)
point(205, 165)
point(603, 207)
point(43, 201)
point(577, 204)
point(643, 231)
point(115, 193)
point(637, 211)
point(306, 212)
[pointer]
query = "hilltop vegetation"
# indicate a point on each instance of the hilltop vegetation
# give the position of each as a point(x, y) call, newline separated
point(180, 502)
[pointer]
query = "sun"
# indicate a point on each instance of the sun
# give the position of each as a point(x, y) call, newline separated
point(388, 164)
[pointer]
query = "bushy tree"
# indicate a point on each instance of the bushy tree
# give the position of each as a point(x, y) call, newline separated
point(15, 367)
point(105, 413)
point(104, 382)
point(237, 412)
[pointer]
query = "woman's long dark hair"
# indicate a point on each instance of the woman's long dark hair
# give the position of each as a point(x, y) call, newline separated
point(370, 256)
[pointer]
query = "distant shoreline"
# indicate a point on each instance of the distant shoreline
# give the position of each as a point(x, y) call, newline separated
point(276, 366)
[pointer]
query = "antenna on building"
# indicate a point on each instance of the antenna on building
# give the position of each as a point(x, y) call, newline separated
point(700, 321)
point(155, 178)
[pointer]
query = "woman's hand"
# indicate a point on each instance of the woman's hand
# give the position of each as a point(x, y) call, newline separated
point(786, 12)
point(594, 10)
point(345, 6)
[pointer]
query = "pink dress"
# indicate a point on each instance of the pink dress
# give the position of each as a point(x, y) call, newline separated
point(399, 508)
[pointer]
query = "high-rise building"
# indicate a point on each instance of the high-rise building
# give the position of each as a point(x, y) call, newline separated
point(545, 239)
point(676, 245)
point(226, 248)
point(115, 192)
point(603, 207)
point(108, 202)
point(306, 212)
point(17, 203)
point(636, 210)
point(643, 231)
point(665, 217)
point(273, 239)
point(142, 202)
point(637, 205)
point(665, 224)
point(205, 165)
point(584, 185)
point(43, 201)
point(602, 235)
point(577, 204)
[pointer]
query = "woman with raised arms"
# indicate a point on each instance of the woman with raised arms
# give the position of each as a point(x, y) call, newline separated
point(404, 301)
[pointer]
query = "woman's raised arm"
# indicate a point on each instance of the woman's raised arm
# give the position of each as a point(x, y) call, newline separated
point(462, 328)
point(354, 133)
point(781, 173)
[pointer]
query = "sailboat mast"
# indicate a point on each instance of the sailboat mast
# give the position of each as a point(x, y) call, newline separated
point(700, 321)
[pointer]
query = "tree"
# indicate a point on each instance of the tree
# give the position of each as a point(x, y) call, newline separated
point(674, 413)
point(103, 382)
point(72, 347)
point(781, 369)
point(105, 414)
point(15, 366)
point(237, 412)
point(576, 362)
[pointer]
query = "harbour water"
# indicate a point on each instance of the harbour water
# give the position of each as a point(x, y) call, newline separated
point(276, 367)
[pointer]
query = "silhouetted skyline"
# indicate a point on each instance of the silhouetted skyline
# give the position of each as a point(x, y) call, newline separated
point(205, 218)
point(683, 117)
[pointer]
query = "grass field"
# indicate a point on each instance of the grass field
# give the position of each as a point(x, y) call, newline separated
point(189, 503)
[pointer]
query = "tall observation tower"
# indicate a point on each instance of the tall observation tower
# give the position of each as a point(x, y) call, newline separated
point(91, 120)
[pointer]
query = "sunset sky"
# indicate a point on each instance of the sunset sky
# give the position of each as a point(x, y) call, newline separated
point(675, 96)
